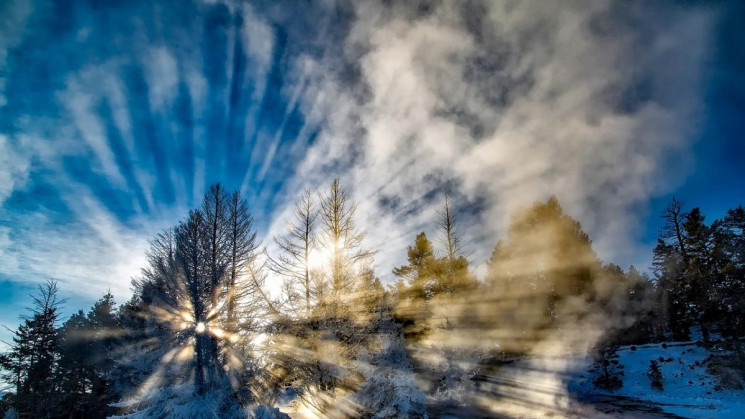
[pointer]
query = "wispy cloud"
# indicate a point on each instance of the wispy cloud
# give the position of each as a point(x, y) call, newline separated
point(114, 122)
point(16, 168)
point(117, 118)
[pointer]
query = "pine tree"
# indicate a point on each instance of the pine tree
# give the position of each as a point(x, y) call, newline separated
point(670, 263)
point(546, 260)
point(420, 273)
point(75, 373)
point(700, 275)
point(419, 282)
point(348, 302)
point(607, 369)
point(86, 363)
point(105, 331)
point(449, 231)
point(14, 365)
point(655, 375)
point(370, 298)
point(341, 237)
point(32, 361)
point(730, 244)
point(690, 262)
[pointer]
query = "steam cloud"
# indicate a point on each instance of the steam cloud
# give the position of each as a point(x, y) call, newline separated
point(504, 103)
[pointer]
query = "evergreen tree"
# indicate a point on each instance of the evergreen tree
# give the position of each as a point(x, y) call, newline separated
point(86, 364)
point(320, 352)
point(104, 340)
point(700, 274)
point(730, 241)
point(420, 274)
point(607, 369)
point(370, 298)
point(431, 305)
point(670, 263)
point(342, 239)
point(655, 375)
point(75, 373)
point(546, 261)
point(14, 365)
point(419, 281)
point(691, 262)
point(32, 361)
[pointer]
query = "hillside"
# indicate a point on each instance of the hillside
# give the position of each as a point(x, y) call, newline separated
point(696, 383)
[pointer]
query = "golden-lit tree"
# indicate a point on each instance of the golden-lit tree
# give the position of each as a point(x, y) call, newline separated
point(546, 260)
point(341, 239)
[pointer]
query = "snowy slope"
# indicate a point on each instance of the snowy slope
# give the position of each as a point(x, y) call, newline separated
point(688, 389)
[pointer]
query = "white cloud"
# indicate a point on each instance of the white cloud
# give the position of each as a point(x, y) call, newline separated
point(258, 41)
point(14, 168)
point(510, 103)
point(80, 100)
point(162, 77)
point(87, 256)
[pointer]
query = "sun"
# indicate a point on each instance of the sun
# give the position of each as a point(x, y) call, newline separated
point(200, 328)
point(317, 258)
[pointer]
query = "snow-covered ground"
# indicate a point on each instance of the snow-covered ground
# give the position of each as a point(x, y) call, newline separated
point(561, 387)
point(688, 389)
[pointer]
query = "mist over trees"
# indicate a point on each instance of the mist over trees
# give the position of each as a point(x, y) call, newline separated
point(219, 325)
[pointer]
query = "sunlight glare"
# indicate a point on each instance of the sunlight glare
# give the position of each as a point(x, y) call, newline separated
point(316, 259)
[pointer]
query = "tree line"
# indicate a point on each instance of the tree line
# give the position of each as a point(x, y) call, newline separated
point(219, 323)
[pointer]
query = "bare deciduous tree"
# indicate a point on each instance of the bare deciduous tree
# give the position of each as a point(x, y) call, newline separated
point(295, 247)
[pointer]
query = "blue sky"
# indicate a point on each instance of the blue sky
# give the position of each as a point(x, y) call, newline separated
point(115, 116)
